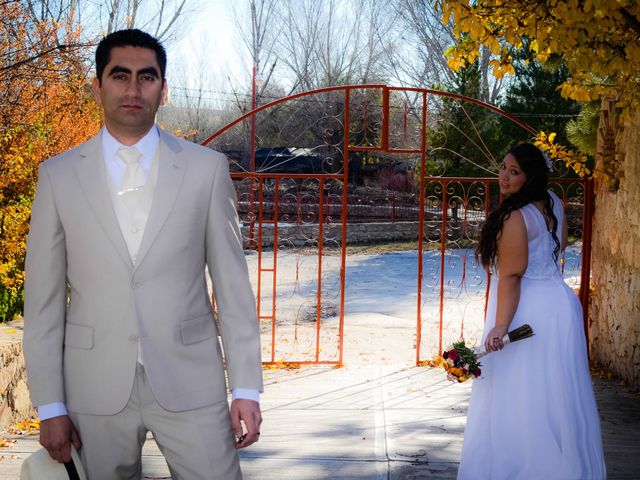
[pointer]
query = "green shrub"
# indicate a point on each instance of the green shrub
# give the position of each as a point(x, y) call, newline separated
point(10, 304)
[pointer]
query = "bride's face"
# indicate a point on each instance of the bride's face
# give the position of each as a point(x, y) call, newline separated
point(511, 176)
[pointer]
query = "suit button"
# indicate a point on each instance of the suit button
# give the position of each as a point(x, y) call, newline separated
point(133, 338)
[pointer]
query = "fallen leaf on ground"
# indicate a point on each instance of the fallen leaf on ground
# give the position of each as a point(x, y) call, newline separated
point(25, 427)
point(282, 365)
point(6, 443)
point(436, 361)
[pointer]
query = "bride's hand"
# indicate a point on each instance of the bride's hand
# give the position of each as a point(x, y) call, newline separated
point(494, 341)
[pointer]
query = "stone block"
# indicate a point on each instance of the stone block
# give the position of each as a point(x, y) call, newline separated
point(15, 404)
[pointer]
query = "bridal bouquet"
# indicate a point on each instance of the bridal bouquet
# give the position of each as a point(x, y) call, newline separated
point(461, 362)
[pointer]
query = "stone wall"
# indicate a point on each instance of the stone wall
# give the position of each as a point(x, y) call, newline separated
point(15, 404)
point(614, 314)
point(301, 235)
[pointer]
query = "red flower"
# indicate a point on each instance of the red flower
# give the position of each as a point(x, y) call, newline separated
point(453, 355)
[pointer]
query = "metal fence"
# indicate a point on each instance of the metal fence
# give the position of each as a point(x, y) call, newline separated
point(300, 291)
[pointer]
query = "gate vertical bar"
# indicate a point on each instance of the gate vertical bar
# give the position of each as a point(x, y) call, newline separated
point(274, 292)
point(260, 184)
point(252, 161)
point(423, 166)
point(487, 209)
point(320, 245)
point(384, 144)
point(343, 217)
point(587, 233)
point(443, 250)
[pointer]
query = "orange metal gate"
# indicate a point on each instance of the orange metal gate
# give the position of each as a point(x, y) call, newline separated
point(296, 223)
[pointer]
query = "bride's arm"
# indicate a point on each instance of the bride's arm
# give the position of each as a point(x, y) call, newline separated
point(513, 252)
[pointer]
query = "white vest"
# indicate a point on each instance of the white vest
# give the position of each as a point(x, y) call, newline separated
point(132, 209)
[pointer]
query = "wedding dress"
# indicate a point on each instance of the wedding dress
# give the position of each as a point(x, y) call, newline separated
point(532, 413)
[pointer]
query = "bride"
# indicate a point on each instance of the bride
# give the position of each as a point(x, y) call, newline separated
point(532, 413)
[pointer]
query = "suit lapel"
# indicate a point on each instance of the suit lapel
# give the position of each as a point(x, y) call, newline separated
point(171, 170)
point(91, 172)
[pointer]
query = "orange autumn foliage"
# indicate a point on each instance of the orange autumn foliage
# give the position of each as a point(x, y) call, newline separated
point(45, 108)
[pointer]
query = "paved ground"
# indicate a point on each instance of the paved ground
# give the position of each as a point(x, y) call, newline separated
point(374, 422)
point(378, 418)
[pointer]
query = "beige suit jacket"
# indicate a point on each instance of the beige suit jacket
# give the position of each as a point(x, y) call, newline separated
point(87, 307)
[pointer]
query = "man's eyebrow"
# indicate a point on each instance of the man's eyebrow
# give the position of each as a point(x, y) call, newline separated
point(119, 69)
point(144, 71)
point(149, 71)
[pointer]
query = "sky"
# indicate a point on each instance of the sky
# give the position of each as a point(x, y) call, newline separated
point(208, 44)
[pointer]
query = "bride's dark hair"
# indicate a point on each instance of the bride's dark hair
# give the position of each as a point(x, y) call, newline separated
point(533, 164)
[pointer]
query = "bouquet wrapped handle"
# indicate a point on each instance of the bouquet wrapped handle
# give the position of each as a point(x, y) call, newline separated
point(520, 333)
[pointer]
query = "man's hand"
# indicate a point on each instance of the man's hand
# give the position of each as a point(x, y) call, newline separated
point(247, 412)
point(57, 434)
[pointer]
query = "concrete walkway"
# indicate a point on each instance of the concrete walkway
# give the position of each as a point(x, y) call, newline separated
point(374, 422)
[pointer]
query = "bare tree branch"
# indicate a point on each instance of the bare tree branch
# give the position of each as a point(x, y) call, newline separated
point(173, 20)
point(41, 54)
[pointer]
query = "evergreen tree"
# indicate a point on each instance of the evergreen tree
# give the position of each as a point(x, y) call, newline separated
point(534, 97)
point(461, 143)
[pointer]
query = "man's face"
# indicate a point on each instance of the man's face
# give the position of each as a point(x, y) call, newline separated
point(131, 91)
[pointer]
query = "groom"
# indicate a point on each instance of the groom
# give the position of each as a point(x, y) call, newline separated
point(119, 333)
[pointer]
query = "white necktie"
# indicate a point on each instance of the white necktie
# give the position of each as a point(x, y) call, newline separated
point(133, 178)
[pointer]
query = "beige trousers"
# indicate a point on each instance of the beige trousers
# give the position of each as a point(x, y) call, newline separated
point(197, 444)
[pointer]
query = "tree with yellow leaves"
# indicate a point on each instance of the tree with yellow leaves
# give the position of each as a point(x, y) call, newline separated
point(599, 41)
point(45, 108)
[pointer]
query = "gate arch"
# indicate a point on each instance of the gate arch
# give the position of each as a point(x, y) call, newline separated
point(303, 318)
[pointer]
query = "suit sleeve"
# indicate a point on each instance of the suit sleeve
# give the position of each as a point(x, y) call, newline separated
point(45, 297)
point(229, 275)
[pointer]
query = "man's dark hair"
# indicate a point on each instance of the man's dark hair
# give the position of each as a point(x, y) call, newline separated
point(129, 38)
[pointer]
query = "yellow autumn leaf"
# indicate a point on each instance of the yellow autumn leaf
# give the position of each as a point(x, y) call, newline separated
point(534, 46)
point(25, 427)
point(282, 365)
point(6, 443)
